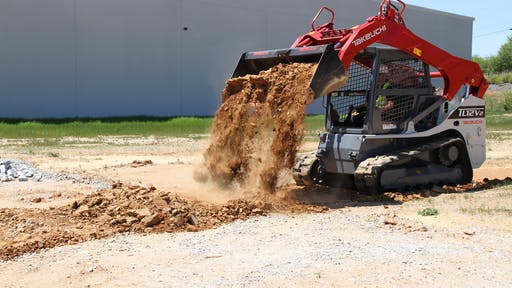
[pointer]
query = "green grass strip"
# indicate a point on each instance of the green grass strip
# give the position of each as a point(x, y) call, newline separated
point(157, 126)
point(138, 126)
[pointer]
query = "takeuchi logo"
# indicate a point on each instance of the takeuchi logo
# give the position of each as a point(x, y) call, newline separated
point(369, 35)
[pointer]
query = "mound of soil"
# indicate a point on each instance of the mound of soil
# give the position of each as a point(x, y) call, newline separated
point(259, 126)
point(123, 208)
point(105, 213)
point(148, 210)
point(474, 186)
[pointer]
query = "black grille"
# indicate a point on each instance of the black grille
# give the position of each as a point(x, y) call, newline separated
point(402, 73)
point(360, 78)
point(398, 83)
point(351, 99)
point(396, 108)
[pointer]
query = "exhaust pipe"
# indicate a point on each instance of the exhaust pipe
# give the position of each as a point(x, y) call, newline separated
point(329, 76)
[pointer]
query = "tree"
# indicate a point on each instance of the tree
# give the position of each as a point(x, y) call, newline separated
point(487, 64)
point(504, 57)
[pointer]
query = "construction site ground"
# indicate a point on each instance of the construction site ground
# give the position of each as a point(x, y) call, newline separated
point(157, 227)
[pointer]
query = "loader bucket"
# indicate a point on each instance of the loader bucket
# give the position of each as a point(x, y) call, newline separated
point(330, 73)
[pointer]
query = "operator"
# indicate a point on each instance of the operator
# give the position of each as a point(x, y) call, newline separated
point(357, 115)
point(383, 102)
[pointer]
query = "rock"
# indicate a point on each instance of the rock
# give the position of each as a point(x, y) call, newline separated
point(423, 229)
point(425, 193)
point(132, 220)
point(192, 220)
point(4, 178)
point(3, 169)
point(155, 219)
point(82, 210)
point(139, 213)
point(469, 232)
point(28, 173)
point(36, 200)
point(118, 221)
point(139, 163)
point(257, 211)
point(159, 202)
point(12, 173)
point(22, 178)
point(390, 221)
point(437, 189)
point(179, 220)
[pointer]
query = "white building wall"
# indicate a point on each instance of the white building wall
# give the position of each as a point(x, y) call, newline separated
point(93, 58)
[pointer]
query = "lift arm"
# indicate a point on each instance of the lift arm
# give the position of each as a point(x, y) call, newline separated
point(389, 28)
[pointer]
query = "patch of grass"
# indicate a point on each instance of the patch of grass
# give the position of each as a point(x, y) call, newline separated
point(495, 136)
point(53, 154)
point(508, 101)
point(486, 210)
point(500, 78)
point(51, 129)
point(506, 194)
point(494, 101)
point(501, 185)
point(115, 126)
point(197, 127)
point(315, 124)
point(428, 212)
point(499, 121)
point(42, 143)
point(498, 101)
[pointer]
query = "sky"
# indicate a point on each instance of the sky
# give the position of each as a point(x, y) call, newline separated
point(492, 20)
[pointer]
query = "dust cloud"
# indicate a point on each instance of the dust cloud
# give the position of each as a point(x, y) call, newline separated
point(259, 127)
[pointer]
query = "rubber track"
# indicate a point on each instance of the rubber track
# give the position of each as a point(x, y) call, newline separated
point(367, 174)
point(301, 171)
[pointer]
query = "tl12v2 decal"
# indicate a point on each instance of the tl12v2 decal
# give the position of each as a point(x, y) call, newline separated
point(468, 112)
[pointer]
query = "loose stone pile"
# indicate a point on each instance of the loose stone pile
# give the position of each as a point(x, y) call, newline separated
point(11, 170)
point(18, 170)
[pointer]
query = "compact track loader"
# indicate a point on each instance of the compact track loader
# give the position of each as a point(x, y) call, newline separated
point(400, 112)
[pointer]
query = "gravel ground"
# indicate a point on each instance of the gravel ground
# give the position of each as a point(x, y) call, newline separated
point(500, 87)
point(338, 248)
point(365, 245)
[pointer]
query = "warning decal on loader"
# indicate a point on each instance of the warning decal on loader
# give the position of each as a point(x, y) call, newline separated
point(468, 112)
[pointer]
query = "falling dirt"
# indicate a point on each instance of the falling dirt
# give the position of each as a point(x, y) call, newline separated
point(259, 127)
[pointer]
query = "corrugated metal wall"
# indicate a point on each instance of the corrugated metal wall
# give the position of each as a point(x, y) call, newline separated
point(67, 58)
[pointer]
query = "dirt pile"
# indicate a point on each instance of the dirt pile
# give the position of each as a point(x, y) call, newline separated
point(479, 185)
point(126, 208)
point(259, 126)
point(105, 213)
point(474, 186)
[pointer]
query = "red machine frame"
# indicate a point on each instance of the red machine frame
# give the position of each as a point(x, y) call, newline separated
point(388, 28)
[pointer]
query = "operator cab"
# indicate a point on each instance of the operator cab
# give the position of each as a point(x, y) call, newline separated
point(386, 88)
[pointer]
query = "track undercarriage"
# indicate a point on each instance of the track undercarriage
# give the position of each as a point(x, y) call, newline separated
point(435, 162)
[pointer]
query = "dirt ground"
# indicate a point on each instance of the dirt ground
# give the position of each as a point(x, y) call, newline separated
point(154, 192)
